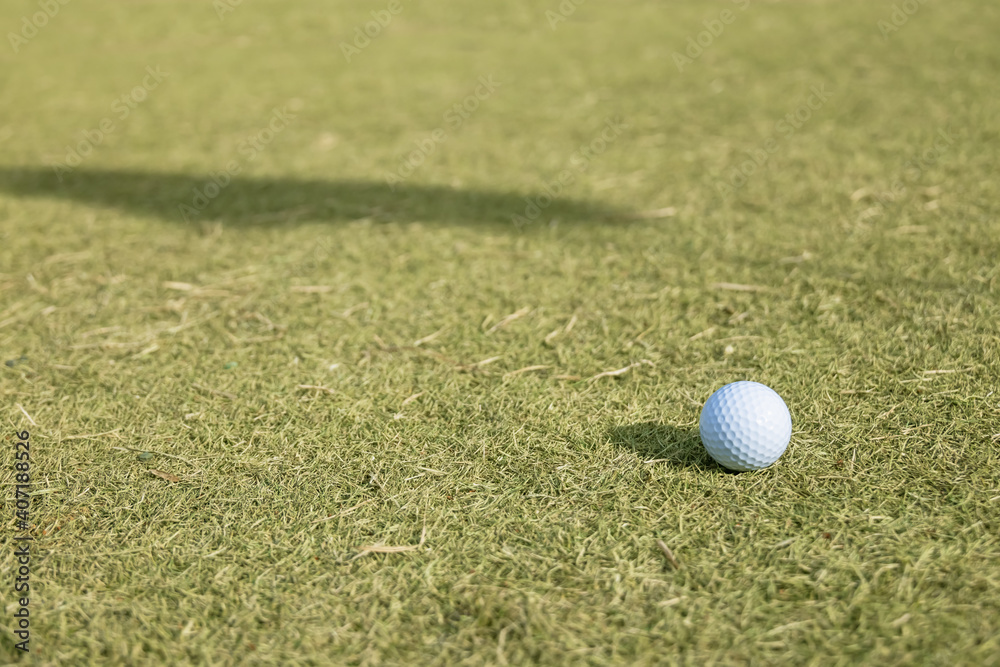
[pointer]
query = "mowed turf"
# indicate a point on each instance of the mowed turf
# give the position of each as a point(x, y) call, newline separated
point(334, 362)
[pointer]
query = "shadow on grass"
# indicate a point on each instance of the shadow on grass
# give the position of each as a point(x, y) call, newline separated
point(656, 441)
point(245, 200)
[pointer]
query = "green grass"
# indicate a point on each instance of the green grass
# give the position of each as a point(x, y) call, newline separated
point(534, 500)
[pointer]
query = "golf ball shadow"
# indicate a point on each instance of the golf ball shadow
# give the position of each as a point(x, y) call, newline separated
point(661, 442)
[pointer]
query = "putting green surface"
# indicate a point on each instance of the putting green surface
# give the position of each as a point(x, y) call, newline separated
point(337, 349)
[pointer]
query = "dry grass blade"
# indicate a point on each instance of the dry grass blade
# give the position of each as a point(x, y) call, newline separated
point(786, 626)
point(561, 330)
point(141, 451)
point(88, 436)
point(384, 549)
point(669, 554)
point(620, 371)
point(510, 318)
point(345, 512)
point(479, 364)
point(736, 287)
point(66, 257)
point(859, 194)
point(384, 347)
point(25, 413)
point(796, 259)
point(311, 289)
point(355, 308)
point(526, 369)
point(202, 292)
point(100, 332)
point(701, 334)
point(164, 475)
point(254, 339)
point(656, 213)
point(901, 620)
point(108, 345)
point(411, 398)
point(428, 338)
point(315, 387)
point(214, 392)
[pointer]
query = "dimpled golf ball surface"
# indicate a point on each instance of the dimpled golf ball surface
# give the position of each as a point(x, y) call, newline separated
point(745, 426)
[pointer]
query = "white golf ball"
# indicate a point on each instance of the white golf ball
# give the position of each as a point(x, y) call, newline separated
point(745, 426)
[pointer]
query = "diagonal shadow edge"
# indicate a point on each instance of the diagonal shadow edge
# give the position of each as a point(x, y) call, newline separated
point(244, 200)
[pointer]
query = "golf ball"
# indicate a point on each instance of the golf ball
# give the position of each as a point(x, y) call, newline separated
point(745, 426)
